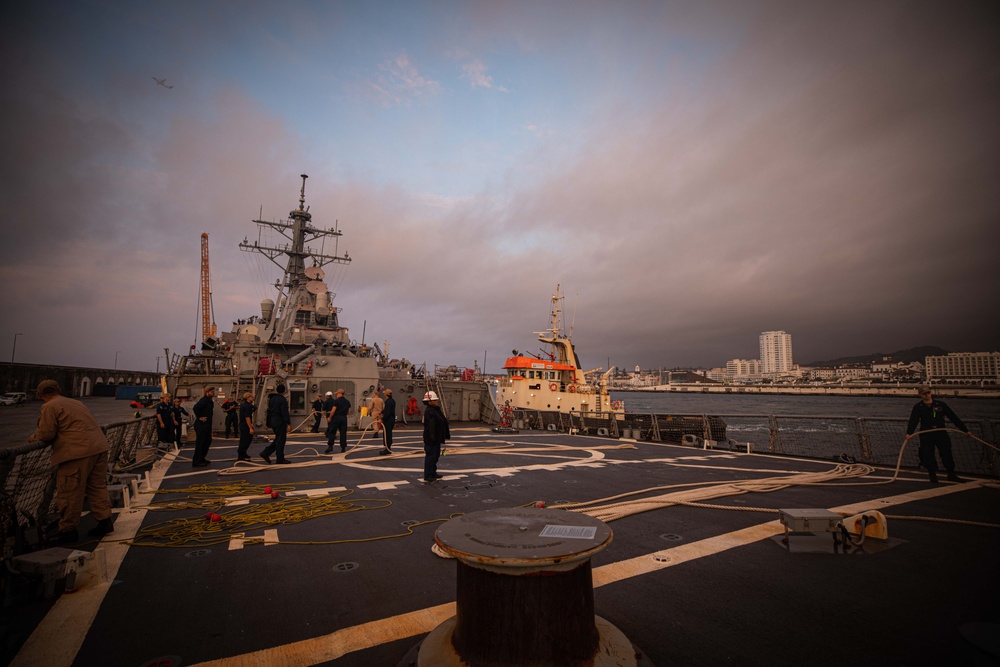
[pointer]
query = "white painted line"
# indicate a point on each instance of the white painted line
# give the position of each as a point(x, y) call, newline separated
point(384, 486)
point(317, 492)
point(271, 537)
point(236, 541)
point(500, 472)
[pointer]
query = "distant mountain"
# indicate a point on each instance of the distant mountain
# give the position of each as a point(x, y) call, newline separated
point(906, 356)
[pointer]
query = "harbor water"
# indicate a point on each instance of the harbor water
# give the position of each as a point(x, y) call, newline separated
point(696, 403)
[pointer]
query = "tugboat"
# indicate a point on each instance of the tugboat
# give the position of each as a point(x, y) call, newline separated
point(555, 381)
point(297, 339)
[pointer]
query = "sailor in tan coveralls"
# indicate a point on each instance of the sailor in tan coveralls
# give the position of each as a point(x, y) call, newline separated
point(80, 452)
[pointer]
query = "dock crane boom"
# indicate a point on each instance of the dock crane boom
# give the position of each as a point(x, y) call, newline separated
point(207, 325)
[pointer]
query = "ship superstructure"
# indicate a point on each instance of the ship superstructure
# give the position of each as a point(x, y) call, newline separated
point(297, 339)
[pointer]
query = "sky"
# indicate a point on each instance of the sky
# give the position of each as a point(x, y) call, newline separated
point(691, 173)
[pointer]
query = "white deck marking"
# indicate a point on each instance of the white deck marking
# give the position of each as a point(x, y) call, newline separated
point(385, 486)
point(271, 537)
point(317, 492)
point(236, 541)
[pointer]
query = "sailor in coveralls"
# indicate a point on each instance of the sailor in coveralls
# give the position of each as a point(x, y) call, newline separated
point(930, 414)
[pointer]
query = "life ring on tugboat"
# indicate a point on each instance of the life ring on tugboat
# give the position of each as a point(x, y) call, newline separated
point(553, 386)
point(411, 407)
point(572, 388)
point(616, 405)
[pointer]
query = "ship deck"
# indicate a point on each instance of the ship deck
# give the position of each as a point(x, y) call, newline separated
point(346, 574)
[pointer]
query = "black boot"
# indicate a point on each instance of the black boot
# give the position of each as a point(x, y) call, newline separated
point(952, 477)
point(934, 479)
point(68, 536)
point(103, 527)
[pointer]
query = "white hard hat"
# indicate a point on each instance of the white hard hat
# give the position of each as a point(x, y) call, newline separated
point(329, 393)
point(430, 396)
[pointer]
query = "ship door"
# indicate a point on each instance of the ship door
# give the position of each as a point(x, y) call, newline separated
point(297, 397)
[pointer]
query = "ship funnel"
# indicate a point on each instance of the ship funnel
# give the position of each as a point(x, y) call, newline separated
point(266, 309)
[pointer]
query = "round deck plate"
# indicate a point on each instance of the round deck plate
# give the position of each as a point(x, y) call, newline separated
point(523, 537)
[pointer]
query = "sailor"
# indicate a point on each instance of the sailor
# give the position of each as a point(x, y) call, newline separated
point(388, 421)
point(246, 427)
point(317, 408)
point(232, 416)
point(280, 420)
point(203, 410)
point(337, 422)
point(930, 414)
point(180, 419)
point(378, 405)
point(166, 424)
point(80, 454)
point(436, 431)
point(327, 406)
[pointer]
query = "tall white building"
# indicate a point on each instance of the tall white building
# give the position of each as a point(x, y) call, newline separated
point(775, 352)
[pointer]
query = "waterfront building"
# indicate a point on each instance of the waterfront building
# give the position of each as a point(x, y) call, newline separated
point(889, 371)
point(852, 372)
point(964, 368)
point(775, 352)
point(717, 374)
point(742, 370)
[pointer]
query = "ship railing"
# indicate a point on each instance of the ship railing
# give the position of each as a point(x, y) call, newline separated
point(28, 480)
point(872, 440)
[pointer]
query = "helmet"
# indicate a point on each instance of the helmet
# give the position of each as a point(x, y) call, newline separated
point(430, 396)
point(329, 393)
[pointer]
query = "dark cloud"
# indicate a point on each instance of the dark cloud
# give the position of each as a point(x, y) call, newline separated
point(826, 169)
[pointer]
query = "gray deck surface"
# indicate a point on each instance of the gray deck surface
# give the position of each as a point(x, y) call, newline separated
point(753, 603)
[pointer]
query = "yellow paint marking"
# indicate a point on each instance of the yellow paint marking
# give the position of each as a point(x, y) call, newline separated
point(340, 643)
point(632, 567)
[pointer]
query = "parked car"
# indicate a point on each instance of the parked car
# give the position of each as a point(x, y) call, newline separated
point(13, 398)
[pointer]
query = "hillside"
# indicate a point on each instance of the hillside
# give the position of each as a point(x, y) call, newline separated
point(906, 356)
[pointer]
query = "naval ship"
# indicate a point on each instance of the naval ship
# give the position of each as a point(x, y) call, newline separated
point(298, 340)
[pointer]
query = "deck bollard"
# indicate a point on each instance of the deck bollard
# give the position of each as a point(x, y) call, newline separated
point(524, 593)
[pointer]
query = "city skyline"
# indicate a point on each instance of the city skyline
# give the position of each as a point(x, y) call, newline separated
point(690, 173)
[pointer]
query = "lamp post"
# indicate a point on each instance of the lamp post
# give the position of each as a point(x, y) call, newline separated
point(117, 352)
point(158, 365)
point(14, 348)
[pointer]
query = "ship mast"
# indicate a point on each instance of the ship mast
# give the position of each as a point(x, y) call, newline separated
point(300, 233)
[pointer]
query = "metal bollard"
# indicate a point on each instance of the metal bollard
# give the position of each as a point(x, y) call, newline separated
point(524, 593)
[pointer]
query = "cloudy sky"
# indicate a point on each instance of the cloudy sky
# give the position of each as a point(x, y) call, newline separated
point(691, 173)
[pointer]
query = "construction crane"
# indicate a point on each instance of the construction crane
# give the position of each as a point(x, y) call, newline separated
point(207, 325)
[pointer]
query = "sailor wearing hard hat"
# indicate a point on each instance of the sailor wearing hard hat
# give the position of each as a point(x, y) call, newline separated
point(436, 431)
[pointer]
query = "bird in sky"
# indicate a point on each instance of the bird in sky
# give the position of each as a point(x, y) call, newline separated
point(162, 82)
